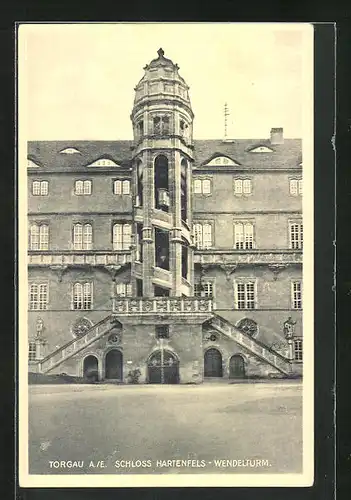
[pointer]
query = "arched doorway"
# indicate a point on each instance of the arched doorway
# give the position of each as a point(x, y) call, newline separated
point(213, 363)
point(90, 369)
point(163, 368)
point(114, 365)
point(236, 367)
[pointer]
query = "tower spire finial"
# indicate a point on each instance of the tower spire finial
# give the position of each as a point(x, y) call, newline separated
point(160, 52)
point(226, 114)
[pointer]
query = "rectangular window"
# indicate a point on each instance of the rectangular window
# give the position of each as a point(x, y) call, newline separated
point(203, 235)
point(122, 236)
point(32, 351)
point(197, 186)
point(300, 187)
point(202, 186)
point(38, 296)
point(296, 294)
point(82, 296)
point(245, 295)
point(247, 186)
point(296, 187)
point(82, 187)
point(121, 187)
point(162, 331)
point(243, 236)
point(203, 289)
point(298, 350)
point(124, 289)
point(296, 236)
point(40, 188)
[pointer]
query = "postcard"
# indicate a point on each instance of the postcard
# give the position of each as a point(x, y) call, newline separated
point(166, 330)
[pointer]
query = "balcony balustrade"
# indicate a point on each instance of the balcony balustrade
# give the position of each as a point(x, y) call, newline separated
point(235, 257)
point(159, 305)
point(78, 258)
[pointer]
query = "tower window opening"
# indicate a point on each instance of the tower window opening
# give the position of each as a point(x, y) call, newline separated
point(184, 129)
point(140, 129)
point(139, 246)
point(139, 287)
point(139, 198)
point(161, 125)
point(184, 191)
point(162, 201)
point(162, 248)
point(159, 291)
point(184, 260)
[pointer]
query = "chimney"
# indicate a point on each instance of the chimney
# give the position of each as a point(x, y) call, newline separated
point(277, 136)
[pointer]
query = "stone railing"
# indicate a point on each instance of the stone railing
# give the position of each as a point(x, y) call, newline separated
point(74, 346)
point(223, 257)
point(159, 305)
point(78, 258)
point(273, 358)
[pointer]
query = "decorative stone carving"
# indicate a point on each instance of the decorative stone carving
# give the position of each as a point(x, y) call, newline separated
point(248, 326)
point(228, 269)
point(211, 336)
point(276, 269)
point(81, 326)
point(59, 271)
point(289, 328)
point(113, 270)
point(115, 338)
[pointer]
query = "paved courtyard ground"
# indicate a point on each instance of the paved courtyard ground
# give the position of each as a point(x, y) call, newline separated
point(111, 429)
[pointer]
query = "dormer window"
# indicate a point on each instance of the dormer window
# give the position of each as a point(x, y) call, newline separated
point(261, 149)
point(103, 162)
point(70, 151)
point(32, 164)
point(222, 161)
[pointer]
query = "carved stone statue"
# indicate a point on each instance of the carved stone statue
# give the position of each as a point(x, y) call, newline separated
point(289, 328)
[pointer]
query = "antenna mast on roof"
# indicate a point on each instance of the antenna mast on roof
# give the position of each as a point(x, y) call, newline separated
point(226, 114)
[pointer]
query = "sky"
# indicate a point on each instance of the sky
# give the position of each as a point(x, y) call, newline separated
point(77, 80)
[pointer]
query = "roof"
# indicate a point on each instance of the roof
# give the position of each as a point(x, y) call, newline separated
point(47, 154)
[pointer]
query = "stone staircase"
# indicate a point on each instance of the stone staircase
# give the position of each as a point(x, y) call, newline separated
point(259, 350)
point(223, 326)
point(76, 345)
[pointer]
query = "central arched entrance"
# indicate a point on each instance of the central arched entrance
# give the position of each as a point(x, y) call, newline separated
point(236, 367)
point(213, 363)
point(163, 368)
point(90, 368)
point(114, 365)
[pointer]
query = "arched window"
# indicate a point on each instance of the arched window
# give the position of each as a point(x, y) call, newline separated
point(39, 237)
